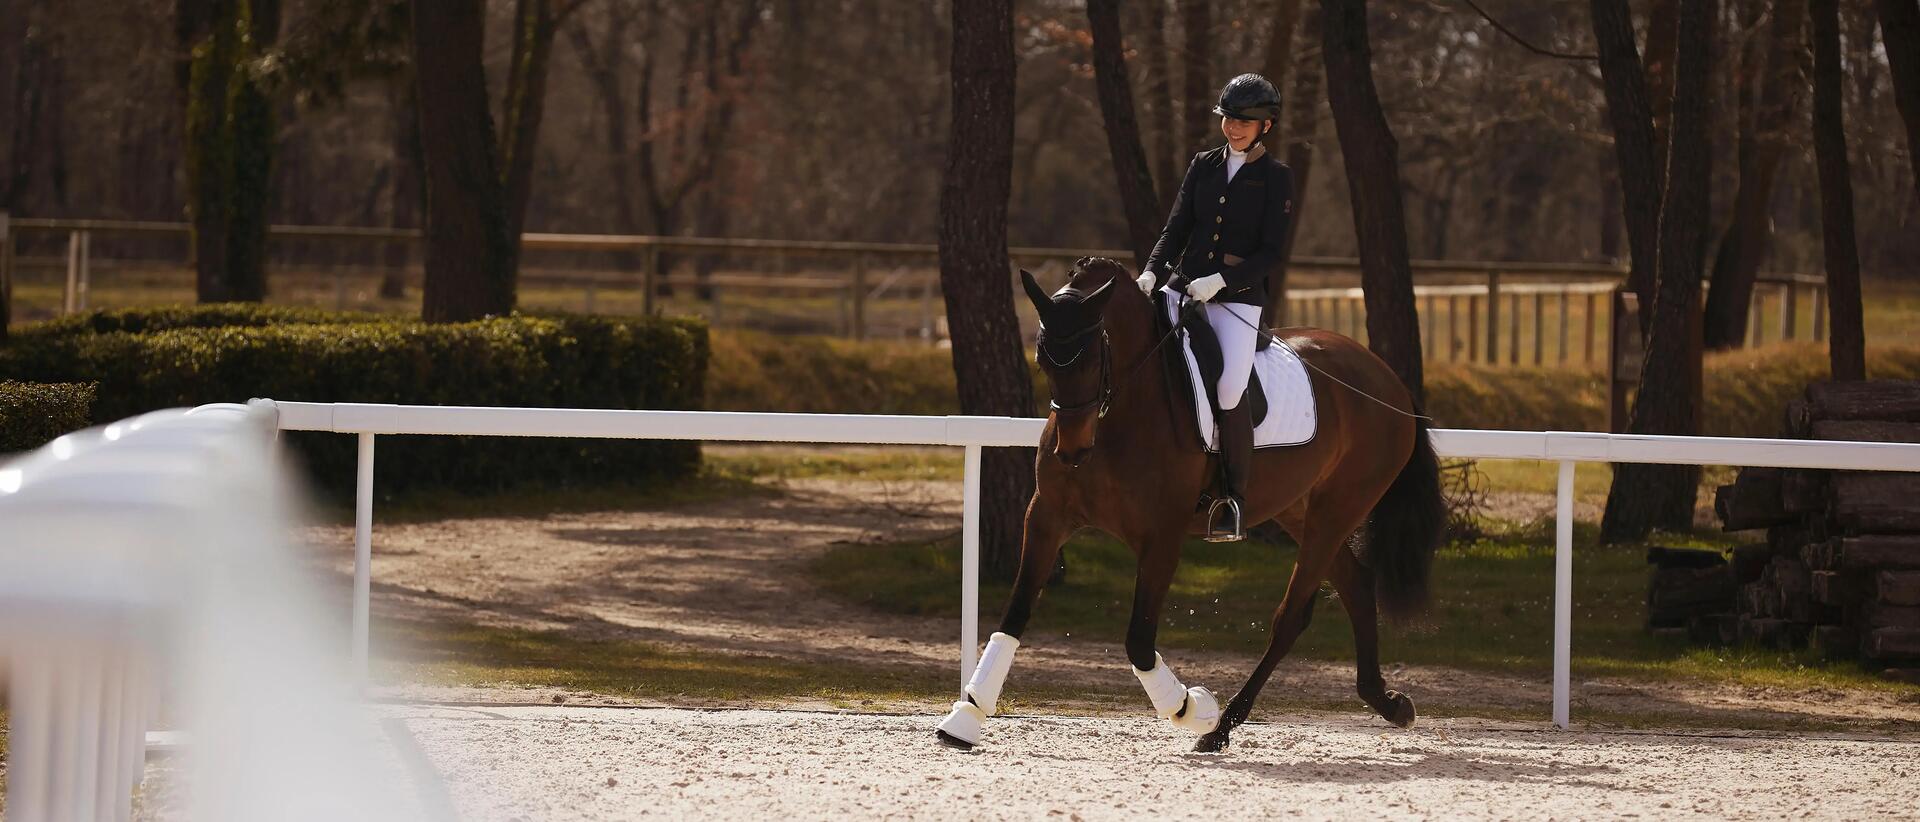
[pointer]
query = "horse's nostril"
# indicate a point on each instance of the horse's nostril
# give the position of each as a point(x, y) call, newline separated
point(1073, 459)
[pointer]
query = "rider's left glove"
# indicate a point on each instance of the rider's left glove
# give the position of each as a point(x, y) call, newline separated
point(1205, 288)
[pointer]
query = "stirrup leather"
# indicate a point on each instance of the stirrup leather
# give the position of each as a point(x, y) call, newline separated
point(1217, 531)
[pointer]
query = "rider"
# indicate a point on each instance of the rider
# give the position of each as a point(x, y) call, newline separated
point(1240, 200)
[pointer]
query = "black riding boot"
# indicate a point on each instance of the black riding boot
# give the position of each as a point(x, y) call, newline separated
point(1225, 519)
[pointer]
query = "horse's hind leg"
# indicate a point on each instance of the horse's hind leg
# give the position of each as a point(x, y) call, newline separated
point(1295, 611)
point(1354, 581)
point(1046, 529)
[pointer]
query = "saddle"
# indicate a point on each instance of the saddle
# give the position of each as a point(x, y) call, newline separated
point(1206, 351)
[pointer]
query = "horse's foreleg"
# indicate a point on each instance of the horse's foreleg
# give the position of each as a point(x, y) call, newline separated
point(1355, 584)
point(1289, 620)
point(1194, 709)
point(1046, 529)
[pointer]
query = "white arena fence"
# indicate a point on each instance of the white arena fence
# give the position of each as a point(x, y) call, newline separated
point(1568, 448)
point(153, 557)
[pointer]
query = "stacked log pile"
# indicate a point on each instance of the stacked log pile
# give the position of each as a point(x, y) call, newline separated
point(1840, 567)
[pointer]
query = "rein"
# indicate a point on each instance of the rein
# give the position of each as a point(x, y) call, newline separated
point(1104, 400)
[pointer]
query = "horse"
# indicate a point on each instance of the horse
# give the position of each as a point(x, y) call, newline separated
point(1121, 455)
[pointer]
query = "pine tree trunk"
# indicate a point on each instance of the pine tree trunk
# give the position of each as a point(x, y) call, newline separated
point(1160, 113)
point(255, 134)
point(1737, 263)
point(1197, 48)
point(1130, 169)
point(470, 255)
point(1900, 32)
point(1373, 179)
point(1285, 64)
point(210, 149)
point(1846, 345)
point(989, 359)
point(1644, 497)
point(525, 105)
point(1630, 112)
point(405, 190)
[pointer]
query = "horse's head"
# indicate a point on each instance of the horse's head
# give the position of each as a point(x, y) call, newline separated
point(1075, 354)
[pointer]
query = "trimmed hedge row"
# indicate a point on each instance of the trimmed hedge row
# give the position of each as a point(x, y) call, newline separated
point(144, 360)
point(33, 414)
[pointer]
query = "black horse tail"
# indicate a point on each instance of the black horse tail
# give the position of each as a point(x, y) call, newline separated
point(1403, 531)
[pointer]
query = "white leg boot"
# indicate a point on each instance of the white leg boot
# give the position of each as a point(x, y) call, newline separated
point(1193, 709)
point(962, 726)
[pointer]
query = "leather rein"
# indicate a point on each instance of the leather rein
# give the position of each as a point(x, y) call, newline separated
point(1104, 399)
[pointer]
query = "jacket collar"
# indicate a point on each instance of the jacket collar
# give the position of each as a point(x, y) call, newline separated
point(1254, 153)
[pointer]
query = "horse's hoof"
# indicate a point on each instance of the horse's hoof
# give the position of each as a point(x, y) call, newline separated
point(952, 741)
point(1211, 743)
point(1400, 709)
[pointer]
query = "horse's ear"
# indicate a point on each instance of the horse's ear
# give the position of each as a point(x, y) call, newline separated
point(1038, 295)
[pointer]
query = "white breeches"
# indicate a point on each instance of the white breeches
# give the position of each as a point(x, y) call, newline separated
point(1237, 327)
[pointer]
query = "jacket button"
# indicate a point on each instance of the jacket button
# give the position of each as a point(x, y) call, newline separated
point(1223, 198)
point(1216, 236)
point(1219, 219)
point(1209, 255)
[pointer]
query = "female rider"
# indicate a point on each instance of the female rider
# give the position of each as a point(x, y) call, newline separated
point(1226, 232)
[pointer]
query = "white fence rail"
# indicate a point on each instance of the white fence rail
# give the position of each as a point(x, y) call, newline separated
point(975, 433)
point(153, 558)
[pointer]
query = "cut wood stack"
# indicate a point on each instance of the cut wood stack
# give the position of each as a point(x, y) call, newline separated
point(1840, 568)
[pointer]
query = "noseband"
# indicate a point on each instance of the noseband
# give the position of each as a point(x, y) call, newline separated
point(1103, 400)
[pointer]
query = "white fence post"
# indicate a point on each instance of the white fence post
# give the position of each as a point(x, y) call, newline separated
point(970, 568)
point(362, 556)
point(1562, 593)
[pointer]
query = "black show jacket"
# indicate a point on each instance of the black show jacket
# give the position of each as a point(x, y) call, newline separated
point(1232, 229)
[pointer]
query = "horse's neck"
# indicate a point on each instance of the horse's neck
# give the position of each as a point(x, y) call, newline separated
point(1141, 396)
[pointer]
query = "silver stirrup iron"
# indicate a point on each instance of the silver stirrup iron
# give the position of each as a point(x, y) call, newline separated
point(1215, 534)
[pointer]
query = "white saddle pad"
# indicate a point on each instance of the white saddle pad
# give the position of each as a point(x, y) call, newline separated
point(1290, 412)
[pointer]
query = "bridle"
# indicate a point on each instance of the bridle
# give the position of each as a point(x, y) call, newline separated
point(1104, 399)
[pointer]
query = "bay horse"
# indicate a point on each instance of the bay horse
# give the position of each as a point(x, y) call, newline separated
point(1121, 454)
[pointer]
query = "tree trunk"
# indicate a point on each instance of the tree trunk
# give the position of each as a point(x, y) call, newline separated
point(1197, 78)
point(254, 137)
point(1123, 131)
point(989, 360)
point(1373, 179)
point(525, 105)
point(1846, 347)
point(1644, 497)
point(1279, 62)
point(1900, 32)
point(1301, 71)
point(470, 255)
point(1776, 110)
point(1160, 114)
point(210, 150)
point(1630, 111)
point(405, 188)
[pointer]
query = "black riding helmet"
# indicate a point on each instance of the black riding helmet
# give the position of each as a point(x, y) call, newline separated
point(1249, 97)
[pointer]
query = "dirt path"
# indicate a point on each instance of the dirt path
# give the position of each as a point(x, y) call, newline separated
point(728, 576)
point(564, 763)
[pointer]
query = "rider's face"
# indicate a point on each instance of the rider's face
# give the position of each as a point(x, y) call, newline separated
point(1240, 133)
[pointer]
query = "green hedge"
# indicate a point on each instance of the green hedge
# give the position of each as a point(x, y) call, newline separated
point(32, 414)
point(183, 357)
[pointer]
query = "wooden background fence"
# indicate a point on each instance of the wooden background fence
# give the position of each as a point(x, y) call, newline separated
point(1502, 313)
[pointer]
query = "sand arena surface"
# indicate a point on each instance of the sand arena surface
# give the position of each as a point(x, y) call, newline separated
point(573, 763)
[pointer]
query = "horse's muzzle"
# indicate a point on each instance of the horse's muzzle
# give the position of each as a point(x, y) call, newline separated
point(1073, 459)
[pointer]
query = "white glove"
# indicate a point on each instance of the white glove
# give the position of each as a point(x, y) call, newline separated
point(1205, 288)
point(1146, 281)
